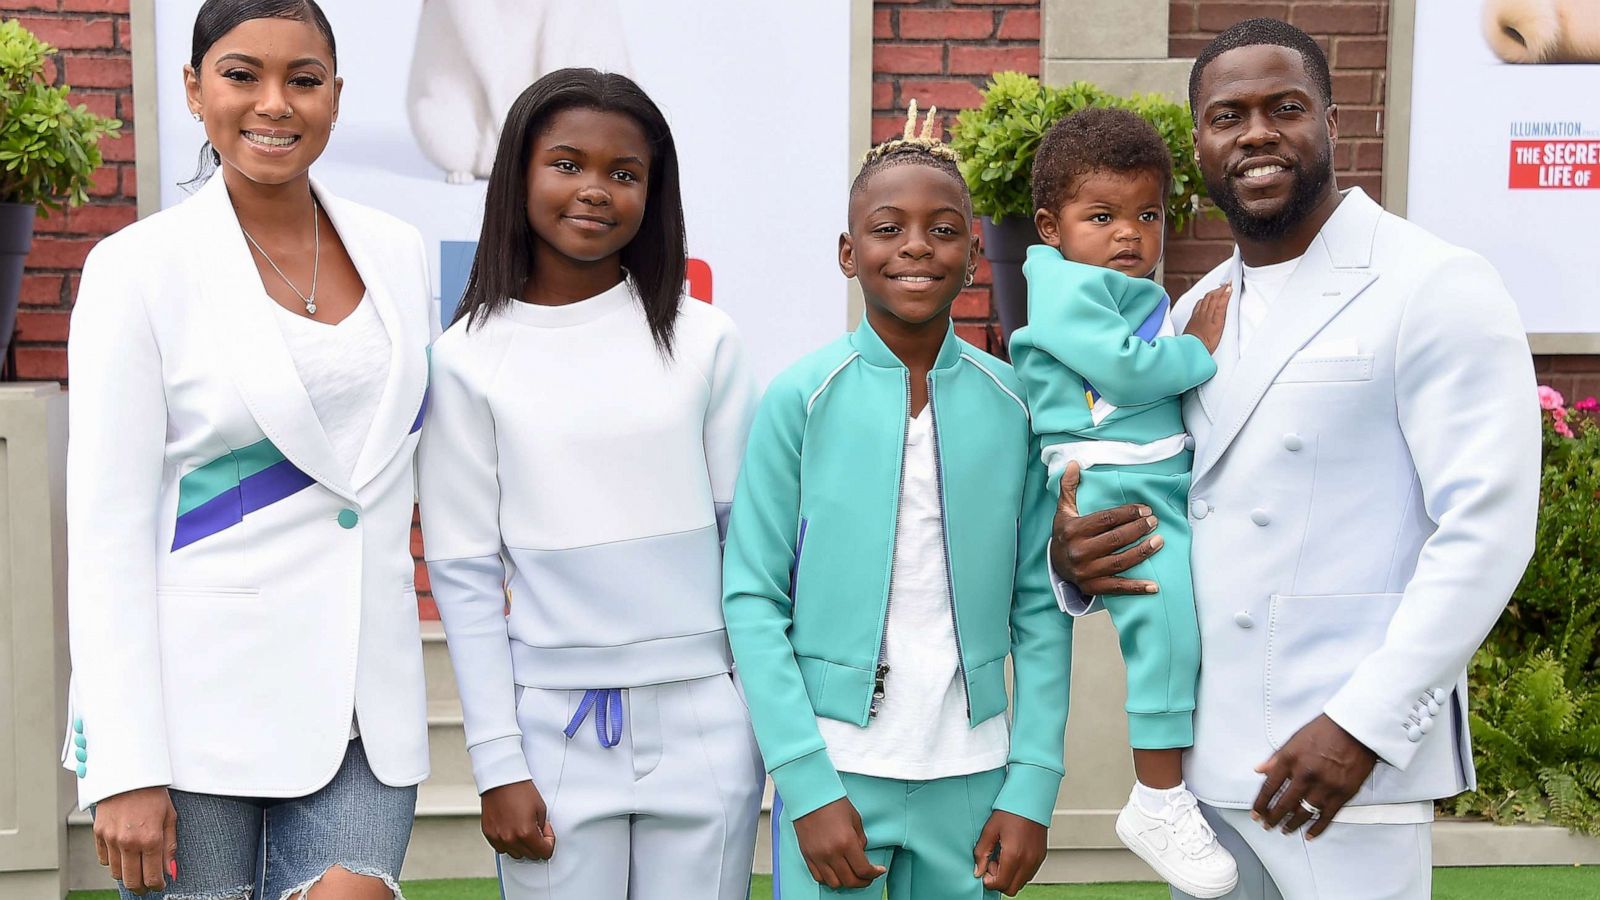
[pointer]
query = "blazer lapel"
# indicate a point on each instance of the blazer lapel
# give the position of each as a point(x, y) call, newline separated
point(403, 391)
point(1227, 355)
point(1333, 271)
point(244, 326)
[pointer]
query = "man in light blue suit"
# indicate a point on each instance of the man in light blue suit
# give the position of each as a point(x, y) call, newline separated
point(1363, 500)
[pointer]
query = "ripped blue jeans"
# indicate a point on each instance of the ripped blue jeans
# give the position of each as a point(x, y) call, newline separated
point(245, 848)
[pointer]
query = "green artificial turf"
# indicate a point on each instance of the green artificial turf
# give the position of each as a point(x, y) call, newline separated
point(1548, 882)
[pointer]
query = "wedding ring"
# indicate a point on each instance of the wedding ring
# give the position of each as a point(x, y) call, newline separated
point(1306, 805)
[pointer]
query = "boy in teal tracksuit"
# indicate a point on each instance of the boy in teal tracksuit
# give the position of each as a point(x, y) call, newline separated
point(1104, 374)
point(885, 555)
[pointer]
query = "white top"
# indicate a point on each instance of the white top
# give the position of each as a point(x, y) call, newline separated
point(568, 461)
point(344, 368)
point(920, 732)
point(1262, 287)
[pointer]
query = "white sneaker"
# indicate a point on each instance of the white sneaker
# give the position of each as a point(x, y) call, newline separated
point(1180, 845)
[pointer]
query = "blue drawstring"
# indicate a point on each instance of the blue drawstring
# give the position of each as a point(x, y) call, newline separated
point(607, 706)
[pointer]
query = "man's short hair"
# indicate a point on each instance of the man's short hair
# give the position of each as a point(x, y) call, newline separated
point(1257, 32)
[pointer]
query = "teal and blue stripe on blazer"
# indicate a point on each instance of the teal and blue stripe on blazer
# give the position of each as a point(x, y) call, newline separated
point(219, 494)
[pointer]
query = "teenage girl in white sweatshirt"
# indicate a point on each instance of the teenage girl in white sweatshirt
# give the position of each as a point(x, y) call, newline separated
point(580, 454)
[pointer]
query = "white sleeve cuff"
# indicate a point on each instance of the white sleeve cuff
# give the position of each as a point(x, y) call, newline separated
point(498, 762)
point(1071, 600)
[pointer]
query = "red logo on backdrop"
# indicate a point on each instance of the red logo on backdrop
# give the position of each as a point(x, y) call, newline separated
point(1555, 165)
point(699, 278)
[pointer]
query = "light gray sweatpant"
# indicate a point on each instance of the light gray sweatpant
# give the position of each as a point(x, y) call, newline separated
point(1347, 862)
point(667, 813)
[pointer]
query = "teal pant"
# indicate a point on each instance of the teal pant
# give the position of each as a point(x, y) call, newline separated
point(1159, 634)
point(923, 832)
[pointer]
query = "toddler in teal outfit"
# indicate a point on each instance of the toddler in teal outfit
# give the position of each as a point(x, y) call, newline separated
point(1103, 373)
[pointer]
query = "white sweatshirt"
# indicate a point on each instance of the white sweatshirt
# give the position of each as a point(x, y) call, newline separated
point(568, 466)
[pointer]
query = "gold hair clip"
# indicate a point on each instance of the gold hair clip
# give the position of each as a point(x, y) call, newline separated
point(928, 141)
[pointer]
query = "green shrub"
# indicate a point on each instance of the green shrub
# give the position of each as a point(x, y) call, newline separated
point(997, 141)
point(1536, 680)
point(49, 148)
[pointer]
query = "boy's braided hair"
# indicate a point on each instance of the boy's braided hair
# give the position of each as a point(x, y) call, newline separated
point(912, 148)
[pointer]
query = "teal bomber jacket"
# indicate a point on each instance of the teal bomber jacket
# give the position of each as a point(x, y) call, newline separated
point(811, 545)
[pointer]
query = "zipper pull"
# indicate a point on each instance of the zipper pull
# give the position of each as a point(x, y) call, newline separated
point(877, 690)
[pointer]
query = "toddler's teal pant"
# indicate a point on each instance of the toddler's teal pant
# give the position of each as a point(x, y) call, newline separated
point(1159, 633)
point(923, 832)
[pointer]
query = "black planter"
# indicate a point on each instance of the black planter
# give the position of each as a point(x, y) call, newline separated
point(16, 239)
point(1005, 245)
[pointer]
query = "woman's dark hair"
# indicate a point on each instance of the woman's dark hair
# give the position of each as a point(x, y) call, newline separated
point(218, 17)
point(655, 258)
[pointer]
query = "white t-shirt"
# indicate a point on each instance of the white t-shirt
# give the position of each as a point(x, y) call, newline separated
point(1262, 287)
point(920, 732)
point(344, 368)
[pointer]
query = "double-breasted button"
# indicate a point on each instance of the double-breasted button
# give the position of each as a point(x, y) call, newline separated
point(348, 518)
point(1433, 706)
point(1293, 443)
point(1440, 695)
point(1199, 508)
point(1243, 620)
point(79, 742)
point(1414, 733)
point(1188, 442)
point(1427, 724)
point(1259, 516)
point(83, 771)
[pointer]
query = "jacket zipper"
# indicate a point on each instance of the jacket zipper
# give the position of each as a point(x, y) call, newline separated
point(944, 529)
point(881, 670)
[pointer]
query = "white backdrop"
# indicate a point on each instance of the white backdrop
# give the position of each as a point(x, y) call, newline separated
point(758, 96)
point(1467, 110)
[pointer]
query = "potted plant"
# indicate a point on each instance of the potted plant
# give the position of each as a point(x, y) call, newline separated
point(49, 150)
point(997, 142)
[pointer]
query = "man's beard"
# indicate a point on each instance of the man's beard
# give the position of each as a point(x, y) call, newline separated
point(1309, 183)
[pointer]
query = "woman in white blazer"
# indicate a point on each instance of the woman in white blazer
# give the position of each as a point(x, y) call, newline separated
point(248, 379)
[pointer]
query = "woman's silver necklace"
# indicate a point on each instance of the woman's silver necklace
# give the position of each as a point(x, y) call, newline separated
point(310, 300)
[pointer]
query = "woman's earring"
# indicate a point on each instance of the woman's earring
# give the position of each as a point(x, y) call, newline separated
point(971, 274)
point(197, 117)
point(334, 126)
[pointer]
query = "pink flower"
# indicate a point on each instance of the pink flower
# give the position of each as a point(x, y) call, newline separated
point(1559, 413)
point(1550, 398)
point(1588, 404)
point(1563, 429)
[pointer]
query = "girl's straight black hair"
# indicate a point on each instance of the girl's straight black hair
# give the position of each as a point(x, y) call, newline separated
point(218, 17)
point(655, 258)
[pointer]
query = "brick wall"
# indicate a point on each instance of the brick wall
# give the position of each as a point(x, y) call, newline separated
point(1354, 34)
point(941, 52)
point(93, 38)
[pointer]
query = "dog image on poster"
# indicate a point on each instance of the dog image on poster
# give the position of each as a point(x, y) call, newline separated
point(473, 57)
point(1543, 31)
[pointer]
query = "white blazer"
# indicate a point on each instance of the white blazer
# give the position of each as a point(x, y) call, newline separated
point(233, 595)
point(1366, 481)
